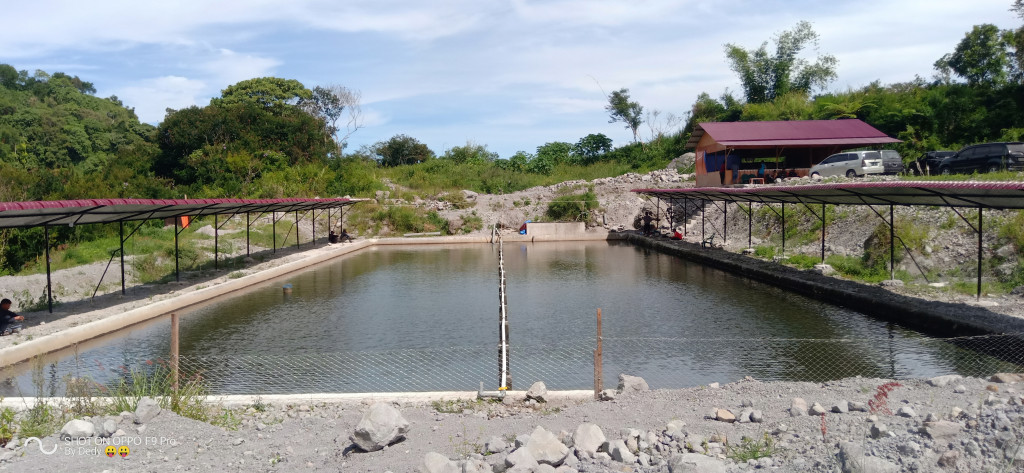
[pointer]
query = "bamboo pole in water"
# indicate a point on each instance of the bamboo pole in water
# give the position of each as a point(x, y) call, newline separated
point(504, 380)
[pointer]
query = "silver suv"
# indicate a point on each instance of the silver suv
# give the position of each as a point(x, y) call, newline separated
point(850, 164)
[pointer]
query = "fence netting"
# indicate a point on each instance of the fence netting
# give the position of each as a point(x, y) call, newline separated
point(662, 362)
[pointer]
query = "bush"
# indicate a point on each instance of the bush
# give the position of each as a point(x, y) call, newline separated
point(573, 207)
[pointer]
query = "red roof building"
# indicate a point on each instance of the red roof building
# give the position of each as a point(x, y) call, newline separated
point(726, 150)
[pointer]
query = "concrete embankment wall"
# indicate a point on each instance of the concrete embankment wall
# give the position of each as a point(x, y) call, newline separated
point(929, 316)
point(112, 323)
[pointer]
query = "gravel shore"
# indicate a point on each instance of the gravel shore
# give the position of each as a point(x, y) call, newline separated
point(943, 424)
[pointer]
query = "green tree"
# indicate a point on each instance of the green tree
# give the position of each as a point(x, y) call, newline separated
point(401, 149)
point(556, 152)
point(268, 92)
point(766, 76)
point(591, 147)
point(621, 109)
point(470, 153)
point(982, 57)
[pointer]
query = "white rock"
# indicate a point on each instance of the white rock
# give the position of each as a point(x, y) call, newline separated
point(694, 463)
point(854, 460)
point(434, 462)
point(545, 447)
point(817, 409)
point(77, 428)
point(632, 384)
point(147, 409)
point(381, 426)
point(798, 407)
point(588, 439)
point(960, 389)
point(538, 392)
point(841, 407)
point(940, 381)
point(906, 411)
point(620, 453)
point(521, 458)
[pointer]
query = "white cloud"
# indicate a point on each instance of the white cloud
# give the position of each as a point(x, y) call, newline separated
point(225, 67)
point(152, 97)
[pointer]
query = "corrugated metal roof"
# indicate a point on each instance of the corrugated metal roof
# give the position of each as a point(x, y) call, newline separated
point(795, 133)
point(994, 195)
point(77, 212)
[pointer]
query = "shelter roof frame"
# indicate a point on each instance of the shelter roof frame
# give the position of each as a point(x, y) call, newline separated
point(88, 211)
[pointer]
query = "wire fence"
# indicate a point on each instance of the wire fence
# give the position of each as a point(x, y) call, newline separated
point(662, 362)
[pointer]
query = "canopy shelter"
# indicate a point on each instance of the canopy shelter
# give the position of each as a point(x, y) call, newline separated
point(90, 211)
point(954, 195)
point(727, 150)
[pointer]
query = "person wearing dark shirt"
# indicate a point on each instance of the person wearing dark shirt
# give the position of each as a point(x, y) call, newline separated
point(6, 316)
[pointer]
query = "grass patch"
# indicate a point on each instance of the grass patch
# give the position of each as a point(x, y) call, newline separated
point(802, 261)
point(752, 449)
point(988, 176)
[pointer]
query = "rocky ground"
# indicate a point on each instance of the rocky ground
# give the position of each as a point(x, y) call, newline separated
point(852, 425)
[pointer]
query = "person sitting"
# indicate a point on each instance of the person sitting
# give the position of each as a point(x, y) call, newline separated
point(345, 237)
point(6, 317)
point(332, 237)
point(760, 171)
point(677, 235)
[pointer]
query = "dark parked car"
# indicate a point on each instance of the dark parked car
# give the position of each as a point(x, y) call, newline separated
point(988, 157)
point(892, 161)
point(928, 163)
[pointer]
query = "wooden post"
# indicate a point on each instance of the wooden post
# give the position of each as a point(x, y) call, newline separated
point(174, 359)
point(598, 361)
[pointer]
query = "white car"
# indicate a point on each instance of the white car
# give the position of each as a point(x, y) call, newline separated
point(849, 164)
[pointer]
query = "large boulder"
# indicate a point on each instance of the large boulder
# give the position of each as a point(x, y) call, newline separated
point(436, 463)
point(545, 447)
point(588, 439)
point(694, 463)
point(853, 459)
point(620, 452)
point(538, 392)
point(632, 384)
point(521, 459)
point(381, 426)
point(146, 410)
point(77, 429)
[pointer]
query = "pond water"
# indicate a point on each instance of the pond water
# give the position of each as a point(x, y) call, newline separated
point(424, 318)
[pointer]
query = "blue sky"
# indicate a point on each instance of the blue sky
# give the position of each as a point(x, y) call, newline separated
point(509, 74)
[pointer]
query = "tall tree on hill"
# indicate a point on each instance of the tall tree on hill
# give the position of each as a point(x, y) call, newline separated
point(983, 57)
point(766, 76)
point(621, 109)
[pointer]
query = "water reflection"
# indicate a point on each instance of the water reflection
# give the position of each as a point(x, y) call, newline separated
point(425, 318)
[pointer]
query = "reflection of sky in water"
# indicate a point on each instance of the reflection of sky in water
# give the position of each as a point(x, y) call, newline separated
point(425, 318)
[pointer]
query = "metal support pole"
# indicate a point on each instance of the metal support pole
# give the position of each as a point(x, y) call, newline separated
point(247, 234)
point(822, 233)
point(177, 274)
point(750, 225)
point(703, 208)
point(296, 228)
point(216, 241)
point(598, 360)
point(783, 229)
point(174, 358)
point(273, 216)
point(670, 212)
point(686, 202)
point(49, 287)
point(892, 244)
point(329, 227)
point(981, 233)
point(657, 218)
point(725, 222)
point(314, 227)
point(121, 234)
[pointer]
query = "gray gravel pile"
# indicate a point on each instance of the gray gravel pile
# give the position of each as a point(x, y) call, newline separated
point(944, 424)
